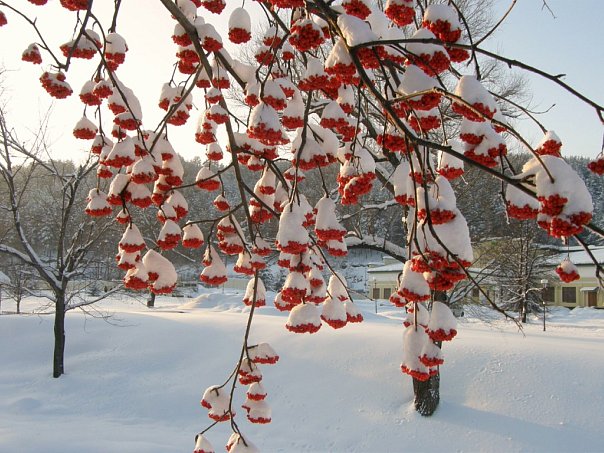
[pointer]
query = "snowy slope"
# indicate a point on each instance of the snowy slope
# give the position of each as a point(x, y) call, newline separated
point(134, 384)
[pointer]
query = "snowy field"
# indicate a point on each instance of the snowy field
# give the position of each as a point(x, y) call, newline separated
point(134, 382)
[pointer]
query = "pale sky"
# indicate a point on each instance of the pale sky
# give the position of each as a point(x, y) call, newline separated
point(568, 43)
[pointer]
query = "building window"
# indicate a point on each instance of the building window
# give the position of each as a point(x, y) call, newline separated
point(549, 294)
point(569, 295)
point(376, 293)
point(387, 292)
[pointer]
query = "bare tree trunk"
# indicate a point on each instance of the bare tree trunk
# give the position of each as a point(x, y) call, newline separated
point(58, 357)
point(19, 291)
point(524, 309)
point(427, 395)
point(151, 300)
point(523, 303)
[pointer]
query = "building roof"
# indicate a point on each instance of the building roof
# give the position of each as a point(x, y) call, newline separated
point(396, 267)
point(579, 256)
point(576, 254)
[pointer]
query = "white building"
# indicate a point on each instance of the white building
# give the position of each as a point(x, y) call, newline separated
point(585, 292)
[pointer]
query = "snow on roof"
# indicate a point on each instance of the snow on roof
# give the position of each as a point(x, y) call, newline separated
point(396, 267)
point(576, 254)
point(579, 256)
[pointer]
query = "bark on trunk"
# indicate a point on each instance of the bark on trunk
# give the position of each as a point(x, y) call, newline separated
point(58, 367)
point(151, 300)
point(524, 310)
point(427, 395)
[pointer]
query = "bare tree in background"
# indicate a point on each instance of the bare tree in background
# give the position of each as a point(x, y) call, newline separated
point(56, 245)
point(18, 287)
point(522, 262)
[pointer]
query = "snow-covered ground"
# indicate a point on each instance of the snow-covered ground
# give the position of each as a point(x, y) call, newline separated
point(134, 381)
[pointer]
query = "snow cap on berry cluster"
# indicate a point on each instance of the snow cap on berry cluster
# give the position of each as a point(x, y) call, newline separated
point(304, 318)
point(354, 30)
point(166, 277)
point(414, 340)
point(443, 324)
point(566, 181)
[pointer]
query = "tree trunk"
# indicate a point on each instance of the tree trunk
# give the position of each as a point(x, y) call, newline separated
point(151, 300)
point(57, 364)
point(427, 395)
point(524, 310)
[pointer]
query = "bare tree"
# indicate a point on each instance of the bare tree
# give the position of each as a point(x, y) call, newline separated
point(19, 285)
point(70, 235)
point(521, 263)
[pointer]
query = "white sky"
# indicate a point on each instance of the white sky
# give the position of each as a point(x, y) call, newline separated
point(566, 44)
